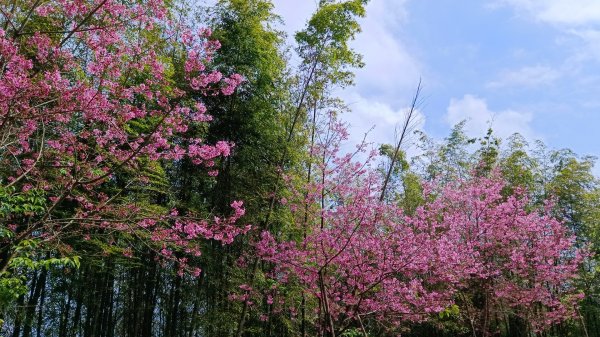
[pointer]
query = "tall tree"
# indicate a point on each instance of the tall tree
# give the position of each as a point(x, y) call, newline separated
point(89, 95)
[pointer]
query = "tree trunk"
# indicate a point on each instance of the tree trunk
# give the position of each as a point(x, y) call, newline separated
point(37, 287)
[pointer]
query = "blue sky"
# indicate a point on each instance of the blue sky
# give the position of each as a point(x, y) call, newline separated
point(527, 66)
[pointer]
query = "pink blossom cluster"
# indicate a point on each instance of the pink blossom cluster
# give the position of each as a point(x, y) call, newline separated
point(80, 106)
point(363, 258)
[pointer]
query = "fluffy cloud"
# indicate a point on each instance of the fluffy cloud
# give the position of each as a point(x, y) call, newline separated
point(390, 67)
point(577, 24)
point(533, 76)
point(479, 118)
point(379, 120)
point(386, 83)
point(561, 12)
point(590, 50)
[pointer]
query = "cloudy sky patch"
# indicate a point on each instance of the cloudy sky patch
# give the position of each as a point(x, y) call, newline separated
point(527, 66)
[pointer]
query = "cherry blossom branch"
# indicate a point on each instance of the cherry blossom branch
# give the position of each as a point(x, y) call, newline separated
point(36, 160)
point(82, 22)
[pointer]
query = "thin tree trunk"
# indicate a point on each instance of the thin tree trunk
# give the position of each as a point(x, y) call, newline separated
point(41, 312)
point(64, 315)
point(38, 285)
point(148, 297)
point(327, 318)
point(78, 303)
point(582, 324)
point(17, 324)
point(408, 124)
point(173, 308)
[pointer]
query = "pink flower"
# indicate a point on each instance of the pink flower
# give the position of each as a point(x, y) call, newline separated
point(128, 252)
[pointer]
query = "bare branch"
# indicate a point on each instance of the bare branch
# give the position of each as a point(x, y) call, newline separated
point(406, 129)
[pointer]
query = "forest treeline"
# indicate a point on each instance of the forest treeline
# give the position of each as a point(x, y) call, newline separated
point(178, 169)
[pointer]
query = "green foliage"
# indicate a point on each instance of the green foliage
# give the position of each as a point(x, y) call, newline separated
point(488, 153)
point(10, 289)
point(451, 159)
point(326, 39)
point(353, 332)
point(404, 181)
point(450, 312)
point(14, 204)
point(573, 184)
point(518, 166)
point(27, 258)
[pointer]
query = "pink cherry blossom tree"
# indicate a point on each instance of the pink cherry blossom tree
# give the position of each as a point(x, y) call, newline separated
point(366, 263)
point(363, 259)
point(525, 258)
point(90, 89)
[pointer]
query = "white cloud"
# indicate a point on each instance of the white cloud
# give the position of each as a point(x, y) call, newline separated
point(479, 118)
point(560, 12)
point(591, 44)
point(386, 83)
point(379, 119)
point(391, 69)
point(532, 76)
point(576, 21)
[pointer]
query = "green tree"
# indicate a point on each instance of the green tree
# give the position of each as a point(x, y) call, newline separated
point(257, 119)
